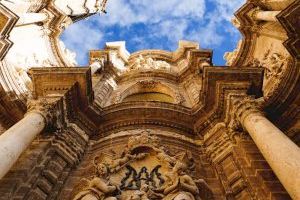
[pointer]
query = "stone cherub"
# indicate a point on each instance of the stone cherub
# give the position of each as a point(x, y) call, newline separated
point(98, 188)
point(180, 186)
point(126, 157)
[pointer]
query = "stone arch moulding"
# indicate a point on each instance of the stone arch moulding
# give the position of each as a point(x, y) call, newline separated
point(149, 86)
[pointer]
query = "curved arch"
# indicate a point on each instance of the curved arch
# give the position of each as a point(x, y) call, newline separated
point(149, 91)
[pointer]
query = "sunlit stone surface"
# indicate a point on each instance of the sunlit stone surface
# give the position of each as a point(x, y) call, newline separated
point(151, 124)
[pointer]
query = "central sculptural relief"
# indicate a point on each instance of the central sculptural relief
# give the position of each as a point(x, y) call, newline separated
point(144, 170)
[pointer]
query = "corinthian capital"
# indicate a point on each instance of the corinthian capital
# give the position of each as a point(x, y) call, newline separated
point(239, 108)
point(50, 108)
point(245, 105)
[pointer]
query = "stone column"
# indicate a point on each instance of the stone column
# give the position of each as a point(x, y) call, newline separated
point(279, 151)
point(15, 140)
point(259, 15)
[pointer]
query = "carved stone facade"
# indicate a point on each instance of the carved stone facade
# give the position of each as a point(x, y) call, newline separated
point(143, 170)
point(152, 124)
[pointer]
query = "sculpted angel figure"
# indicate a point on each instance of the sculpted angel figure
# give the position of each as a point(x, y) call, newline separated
point(116, 164)
point(99, 188)
point(180, 186)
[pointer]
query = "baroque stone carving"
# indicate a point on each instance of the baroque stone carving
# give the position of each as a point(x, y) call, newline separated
point(148, 63)
point(50, 109)
point(275, 65)
point(148, 84)
point(142, 171)
point(230, 57)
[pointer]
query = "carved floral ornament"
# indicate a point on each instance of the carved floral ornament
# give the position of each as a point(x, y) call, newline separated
point(144, 170)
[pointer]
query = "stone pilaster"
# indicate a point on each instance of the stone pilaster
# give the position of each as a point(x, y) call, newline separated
point(220, 150)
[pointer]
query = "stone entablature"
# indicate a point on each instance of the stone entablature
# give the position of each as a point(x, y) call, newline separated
point(151, 60)
point(178, 71)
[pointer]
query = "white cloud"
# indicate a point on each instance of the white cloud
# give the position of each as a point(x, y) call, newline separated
point(126, 13)
point(166, 21)
point(82, 37)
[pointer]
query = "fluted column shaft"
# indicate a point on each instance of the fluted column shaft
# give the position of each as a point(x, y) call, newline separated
point(15, 140)
point(280, 152)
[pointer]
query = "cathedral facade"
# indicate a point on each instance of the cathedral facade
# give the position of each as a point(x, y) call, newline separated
point(152, 124)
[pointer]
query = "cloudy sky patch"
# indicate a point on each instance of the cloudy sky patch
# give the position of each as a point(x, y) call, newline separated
point(157, 24)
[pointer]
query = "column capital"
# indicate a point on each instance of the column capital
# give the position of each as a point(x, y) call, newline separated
point(239, 108)
point(50, 108)
point(253, 13)
point(243, 106)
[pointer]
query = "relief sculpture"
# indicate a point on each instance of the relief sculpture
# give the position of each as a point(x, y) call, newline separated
point(142, 171)
point(148, 63)
point(99, 187)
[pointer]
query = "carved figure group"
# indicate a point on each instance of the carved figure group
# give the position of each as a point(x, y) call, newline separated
point(141, 63)
point(99, 188)
point(141, 183)
point(180, 186)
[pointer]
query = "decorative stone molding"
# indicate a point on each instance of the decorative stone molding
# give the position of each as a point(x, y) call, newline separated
point(71, 135)
point(7, 20)
point(150, 85)
point(275, 65)
point(218, 147)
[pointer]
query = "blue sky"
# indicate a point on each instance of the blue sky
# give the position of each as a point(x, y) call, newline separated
point(157, 24)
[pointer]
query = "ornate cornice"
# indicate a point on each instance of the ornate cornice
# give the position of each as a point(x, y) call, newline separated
point(218, 84)
point(72, 85)
point(288, 92)
point(145, 113)
point(285, 90)
point(7, 21)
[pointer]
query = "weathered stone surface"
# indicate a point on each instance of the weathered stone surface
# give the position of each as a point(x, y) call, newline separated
point(178, 97)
